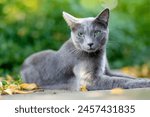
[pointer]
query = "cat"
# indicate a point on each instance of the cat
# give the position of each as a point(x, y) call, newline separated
point(81, 61)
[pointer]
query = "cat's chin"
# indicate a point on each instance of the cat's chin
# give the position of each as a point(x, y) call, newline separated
point(91, 50)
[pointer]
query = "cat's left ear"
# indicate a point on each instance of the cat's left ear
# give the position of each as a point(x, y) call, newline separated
point(70, 20)
point(103, 17)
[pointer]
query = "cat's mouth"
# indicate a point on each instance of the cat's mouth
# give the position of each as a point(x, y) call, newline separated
point(90, 50)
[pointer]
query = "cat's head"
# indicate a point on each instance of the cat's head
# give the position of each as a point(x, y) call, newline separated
point(89, 34)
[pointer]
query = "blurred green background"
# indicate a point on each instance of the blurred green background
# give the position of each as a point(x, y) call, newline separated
point(29, 26)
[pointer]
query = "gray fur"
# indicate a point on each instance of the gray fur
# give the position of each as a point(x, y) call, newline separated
point(81, 61)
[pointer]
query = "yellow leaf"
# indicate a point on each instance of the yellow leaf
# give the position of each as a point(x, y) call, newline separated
point(117, 91)
point(22, 92)
point(8, 91)
point(27, 86)
point(145, 70)
point(133, 71)
point(13, 87)
point(83, 88)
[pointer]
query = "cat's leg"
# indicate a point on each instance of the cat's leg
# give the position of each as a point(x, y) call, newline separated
point(111, 73)
point(117, 74)
point(31, 75)
point(139, 83)
point(107, 82)
point(69, 85)
point(84, 75)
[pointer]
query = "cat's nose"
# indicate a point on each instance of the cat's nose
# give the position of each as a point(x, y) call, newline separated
point(90, 44)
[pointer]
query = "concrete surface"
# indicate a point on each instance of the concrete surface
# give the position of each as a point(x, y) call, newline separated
point(136, 94)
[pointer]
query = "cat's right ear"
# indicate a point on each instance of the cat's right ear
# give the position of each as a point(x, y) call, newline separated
point(71, 20)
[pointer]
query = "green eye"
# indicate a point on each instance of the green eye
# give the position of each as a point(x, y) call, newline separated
point(80, 34)
point(97, 33)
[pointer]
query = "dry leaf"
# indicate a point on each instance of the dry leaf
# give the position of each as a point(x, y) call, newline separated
point(83, 88)
point(145, 70)
point(8, 91)
point(27, 86)
point(133, 71)
point(137, 71)
point(13, 87)
point(9, 86)
point(117, 91)
point(22, 92)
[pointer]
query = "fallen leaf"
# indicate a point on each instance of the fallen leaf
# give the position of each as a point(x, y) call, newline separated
point(13, 86)
point(117, 91)
point(83, 88)
point(22, 92)
point(137, 71)
point(27, 86)
point(8, 91)
point(133, 71)
point(145, 70)
point(8, 85)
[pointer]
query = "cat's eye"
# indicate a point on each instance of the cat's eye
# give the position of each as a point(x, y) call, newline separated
point(97, 33)
point(80, 34)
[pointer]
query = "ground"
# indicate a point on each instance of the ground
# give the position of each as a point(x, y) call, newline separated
point(135, 94)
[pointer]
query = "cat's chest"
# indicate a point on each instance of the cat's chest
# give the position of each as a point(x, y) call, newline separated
point(85, 71)
point(88, 60)
point(87, 65)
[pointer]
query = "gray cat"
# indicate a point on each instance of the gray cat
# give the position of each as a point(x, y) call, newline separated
point(81, 61)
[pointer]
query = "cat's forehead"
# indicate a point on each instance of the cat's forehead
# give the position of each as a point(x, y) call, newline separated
point(86, 21)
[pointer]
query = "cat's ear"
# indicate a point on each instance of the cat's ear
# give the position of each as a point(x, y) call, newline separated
point(71, 20)
point(103, 17)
